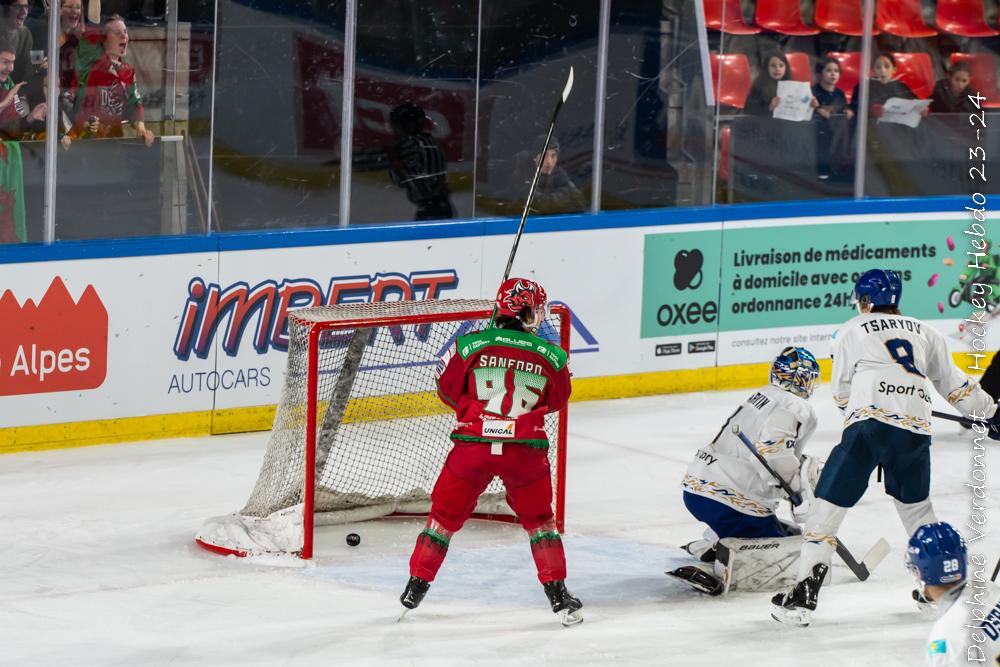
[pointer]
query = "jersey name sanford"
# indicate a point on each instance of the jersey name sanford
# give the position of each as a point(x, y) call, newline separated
point(871, 326)
point(505, 362)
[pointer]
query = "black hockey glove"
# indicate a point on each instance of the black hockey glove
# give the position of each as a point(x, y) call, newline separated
point(994, 425)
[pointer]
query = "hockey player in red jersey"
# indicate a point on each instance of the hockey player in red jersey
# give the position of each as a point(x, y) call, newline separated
point(501, 382)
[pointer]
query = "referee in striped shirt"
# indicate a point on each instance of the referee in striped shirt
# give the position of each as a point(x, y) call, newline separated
point(417, 164)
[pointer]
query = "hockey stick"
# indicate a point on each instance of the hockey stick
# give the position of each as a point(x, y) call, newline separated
point(861, 570)
point(534, 181)
point(794, 497)
point(964, 421)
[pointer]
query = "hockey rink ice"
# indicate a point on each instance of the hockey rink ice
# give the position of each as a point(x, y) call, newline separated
point(98, 564)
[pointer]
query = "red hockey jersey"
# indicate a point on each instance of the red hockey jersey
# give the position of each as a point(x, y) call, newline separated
point(502, 383)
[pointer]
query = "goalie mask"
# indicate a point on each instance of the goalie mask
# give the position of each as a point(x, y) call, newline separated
point(516, 294)
point(795, 370)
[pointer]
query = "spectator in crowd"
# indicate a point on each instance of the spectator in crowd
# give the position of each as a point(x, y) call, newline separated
point(951, 94)
point(882, 86)
point(418, 165)
point(13, 14)
point(17, 117)
point(831, 101)
point(107, 94)
point(763, 97)
point(555, 192)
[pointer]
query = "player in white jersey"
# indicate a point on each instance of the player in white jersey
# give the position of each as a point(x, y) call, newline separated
point(885, 367)
point(727, 488)
point(967, 630)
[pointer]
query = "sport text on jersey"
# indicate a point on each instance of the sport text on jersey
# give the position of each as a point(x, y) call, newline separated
point(871, 326)
point(506, 362)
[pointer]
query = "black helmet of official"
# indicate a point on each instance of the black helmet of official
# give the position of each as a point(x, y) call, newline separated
point(408, 117)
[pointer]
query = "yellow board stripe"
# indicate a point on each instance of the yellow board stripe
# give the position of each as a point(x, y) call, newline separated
point(260, 418)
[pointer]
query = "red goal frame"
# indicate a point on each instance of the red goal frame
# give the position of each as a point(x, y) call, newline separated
point(561, 311)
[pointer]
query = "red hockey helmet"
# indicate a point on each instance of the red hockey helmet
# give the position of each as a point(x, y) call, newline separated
point(518, 293)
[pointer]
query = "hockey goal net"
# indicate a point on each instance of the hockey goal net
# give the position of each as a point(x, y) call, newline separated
point(359, 432)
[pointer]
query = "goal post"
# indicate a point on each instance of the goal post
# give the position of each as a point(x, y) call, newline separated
point(359, 432)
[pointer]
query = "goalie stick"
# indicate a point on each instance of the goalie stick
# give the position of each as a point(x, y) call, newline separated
point(875, 555)
point(534, 181)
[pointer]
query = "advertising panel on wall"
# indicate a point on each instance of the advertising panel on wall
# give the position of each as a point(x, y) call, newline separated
point(655, 308)
point(90, 339)
point(765, 284)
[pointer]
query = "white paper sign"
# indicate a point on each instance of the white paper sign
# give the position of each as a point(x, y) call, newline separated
point(796, 101)
point(904, 112)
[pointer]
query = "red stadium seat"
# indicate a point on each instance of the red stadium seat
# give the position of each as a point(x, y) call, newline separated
point(963, 17)
point(801, 71)
point(850, 70)
point(731, 78)
point(726, 15)
point(725, 137)
point(902, 18)
point(783, 16)
point(841, 16)
point(916, 71)
point(984, 76)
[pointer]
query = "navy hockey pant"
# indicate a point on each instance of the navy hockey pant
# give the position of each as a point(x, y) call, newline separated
point(728, 522)
point(905, 458)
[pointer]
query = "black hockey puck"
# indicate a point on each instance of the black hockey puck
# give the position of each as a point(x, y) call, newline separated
point(353, 539)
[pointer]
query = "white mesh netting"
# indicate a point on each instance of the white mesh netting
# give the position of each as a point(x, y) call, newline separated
point(382, 432)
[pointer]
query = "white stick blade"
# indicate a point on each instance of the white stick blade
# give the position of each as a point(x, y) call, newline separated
point(876, 554)
point(569, 84)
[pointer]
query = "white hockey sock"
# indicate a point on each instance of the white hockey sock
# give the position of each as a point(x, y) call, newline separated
point(819, 536)
point(914, 515)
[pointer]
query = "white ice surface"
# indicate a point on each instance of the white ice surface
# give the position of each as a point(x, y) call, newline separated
point(98, 564)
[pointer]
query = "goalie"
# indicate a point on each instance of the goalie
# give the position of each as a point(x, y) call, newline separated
point(728, 489)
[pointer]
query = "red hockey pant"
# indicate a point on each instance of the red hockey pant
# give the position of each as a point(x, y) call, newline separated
point(467, 472)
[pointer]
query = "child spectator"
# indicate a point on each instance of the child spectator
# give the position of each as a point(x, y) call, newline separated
point(882, 86)
point(108, 94)
point(16, 115)
point(951, 93)
point(763, 97)
point(555, 191)
point(831, 100)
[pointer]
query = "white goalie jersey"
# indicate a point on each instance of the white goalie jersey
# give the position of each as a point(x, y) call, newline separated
point(968, 630)
point(779, 423)
point(885, 367)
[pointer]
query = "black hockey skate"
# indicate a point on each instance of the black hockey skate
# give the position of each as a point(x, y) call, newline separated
point(703, 550)
point(563, 602)
point(413, 594)
point(698, 579)
point(796, 606)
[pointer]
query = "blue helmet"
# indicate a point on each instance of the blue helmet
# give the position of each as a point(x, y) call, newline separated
point(879, 287)
point(936, 554)
point(795, 370)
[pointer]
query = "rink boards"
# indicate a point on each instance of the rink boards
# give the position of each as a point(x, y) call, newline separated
point(112, 342)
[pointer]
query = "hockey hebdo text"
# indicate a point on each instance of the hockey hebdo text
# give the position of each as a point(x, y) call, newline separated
point(979, 255)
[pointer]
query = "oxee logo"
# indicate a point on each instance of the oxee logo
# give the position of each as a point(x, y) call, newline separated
point(687, 267)
point(687, 275)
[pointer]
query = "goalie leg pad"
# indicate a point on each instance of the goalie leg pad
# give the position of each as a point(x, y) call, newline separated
point(761, 564)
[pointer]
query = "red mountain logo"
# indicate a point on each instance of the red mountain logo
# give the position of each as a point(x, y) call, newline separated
point(58, 345)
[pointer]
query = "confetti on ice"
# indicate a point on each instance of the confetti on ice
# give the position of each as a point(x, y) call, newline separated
point(951, 243)
point(933, 279)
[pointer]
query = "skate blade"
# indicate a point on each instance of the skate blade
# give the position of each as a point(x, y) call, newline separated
point(798, 617)
point(406, 610)
point(568, 618)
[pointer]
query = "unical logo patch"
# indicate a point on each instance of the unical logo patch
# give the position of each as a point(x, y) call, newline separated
point(687, 269)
